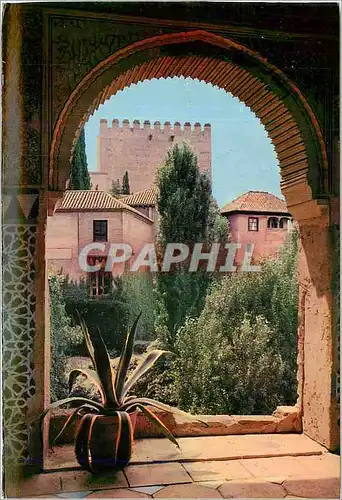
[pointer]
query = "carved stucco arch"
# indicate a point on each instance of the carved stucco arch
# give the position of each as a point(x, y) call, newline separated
point(298, 141)
point(276, 101)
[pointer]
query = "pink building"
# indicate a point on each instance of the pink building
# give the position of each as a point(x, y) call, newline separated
point(259, 219)
point(141, 150)
point(85, 217)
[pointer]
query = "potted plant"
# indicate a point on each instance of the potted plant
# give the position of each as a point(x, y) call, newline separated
point(105, 433)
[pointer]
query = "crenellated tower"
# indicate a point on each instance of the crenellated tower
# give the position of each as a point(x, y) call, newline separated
point(140, 148)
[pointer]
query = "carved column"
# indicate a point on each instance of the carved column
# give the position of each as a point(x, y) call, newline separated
point(24, 215)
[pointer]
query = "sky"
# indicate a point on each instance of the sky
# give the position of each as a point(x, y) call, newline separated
point(243, 157)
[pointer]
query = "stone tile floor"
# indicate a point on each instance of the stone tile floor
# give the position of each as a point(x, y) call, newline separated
point(253, 466)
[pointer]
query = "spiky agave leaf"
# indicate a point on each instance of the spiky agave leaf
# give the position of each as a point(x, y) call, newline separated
point(104, 369)
point(161, 406)
point(145, 365)
point(73, 399)
point(71, 418)
point(91, 375)
point(125, 359)
point(158, 423)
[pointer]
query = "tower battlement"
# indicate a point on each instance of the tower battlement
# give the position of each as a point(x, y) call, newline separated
point(156, 127)
point(140, 147)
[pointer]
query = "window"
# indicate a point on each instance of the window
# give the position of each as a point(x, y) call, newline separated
point(253, 224)
point(100, 283)
point(272, 223)
point(284, 223)
point(100, 230)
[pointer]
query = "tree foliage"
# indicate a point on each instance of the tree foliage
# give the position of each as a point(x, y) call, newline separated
point(138, 294)
point(184, 198)
point(79, 175)
point(125, 184)
point(188, 214)
point(239, 355)
point(115, 189)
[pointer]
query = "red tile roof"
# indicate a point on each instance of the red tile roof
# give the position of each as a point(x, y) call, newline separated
point(91, 201)
point(256, 201)
point(146, 198)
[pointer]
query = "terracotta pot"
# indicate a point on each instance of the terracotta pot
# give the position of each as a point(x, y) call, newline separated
point(104, 443)
point(133, 416)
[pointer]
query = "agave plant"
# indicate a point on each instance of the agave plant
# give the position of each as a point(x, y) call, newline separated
point(105, 433)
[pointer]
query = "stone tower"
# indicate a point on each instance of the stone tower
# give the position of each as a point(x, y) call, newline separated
point(142, 149)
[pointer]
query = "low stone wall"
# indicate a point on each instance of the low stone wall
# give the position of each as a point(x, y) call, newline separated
point(285, 419)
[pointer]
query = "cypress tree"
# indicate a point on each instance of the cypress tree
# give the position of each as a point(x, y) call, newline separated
point(79, 175)
point(188, 214)
point(125, 184)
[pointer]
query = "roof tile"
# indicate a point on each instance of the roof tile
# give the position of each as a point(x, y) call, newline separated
point(145, 198)
point(93, 200)
point(256, 201)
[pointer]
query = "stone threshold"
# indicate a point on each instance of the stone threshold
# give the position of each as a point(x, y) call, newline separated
point(201, 449)
point(285, 419)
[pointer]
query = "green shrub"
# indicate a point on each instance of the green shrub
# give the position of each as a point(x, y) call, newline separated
point(113, 313)
point(178, 296)
point(158, 383)
point(138, 294)
point(239, 375)
point(240, 355)
point(109, 313)
point(64, 338)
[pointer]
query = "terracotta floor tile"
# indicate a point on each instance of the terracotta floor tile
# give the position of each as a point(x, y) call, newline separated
point(187, 491)
point(313, 488)
point(117, 493)
point(156, 474)
point(152, 450)
point(326, 465)
point(251, 489)
point(210, 484)
point(213, 470)
point(83, 480)
point(40, 484)
point(218, 447)
point(61, 456)
point(224, 447)
point(272, 479)
point(279, 466)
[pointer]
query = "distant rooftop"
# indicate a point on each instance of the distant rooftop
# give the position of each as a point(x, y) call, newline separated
point(82, 201)
point(146, 198)
point(256, 201)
